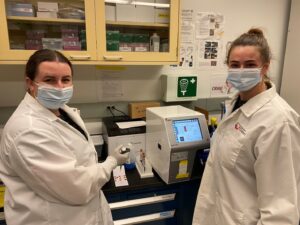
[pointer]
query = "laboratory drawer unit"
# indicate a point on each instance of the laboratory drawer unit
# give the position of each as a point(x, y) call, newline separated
point(150, 201)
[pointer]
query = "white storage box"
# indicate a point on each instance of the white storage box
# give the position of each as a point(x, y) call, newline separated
point(125, 13)
point(145, 13)
point(47, 6)
point(46, 14)
point(162, 15)
point(110, 12)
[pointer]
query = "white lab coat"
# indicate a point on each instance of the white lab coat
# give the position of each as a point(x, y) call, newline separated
point(252, 176)
point(50, 170)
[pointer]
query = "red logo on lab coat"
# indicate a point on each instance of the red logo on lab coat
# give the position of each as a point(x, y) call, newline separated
point(239, 127)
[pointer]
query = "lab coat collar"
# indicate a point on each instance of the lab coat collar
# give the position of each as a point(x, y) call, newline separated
point(73, 113)
point(34, 105)
point(258, 101)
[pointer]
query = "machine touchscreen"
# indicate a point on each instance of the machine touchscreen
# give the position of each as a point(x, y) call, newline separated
point(187, 130)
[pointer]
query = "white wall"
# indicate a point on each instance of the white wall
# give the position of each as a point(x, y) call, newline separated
point(291, 75)
point(241, 15)
point(142, 83)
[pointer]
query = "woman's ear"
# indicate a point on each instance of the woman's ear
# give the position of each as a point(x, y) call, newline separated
point(29, 85)
point(265, 68)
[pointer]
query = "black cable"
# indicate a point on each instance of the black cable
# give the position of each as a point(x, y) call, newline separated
point(109, 108)
point(113, 107)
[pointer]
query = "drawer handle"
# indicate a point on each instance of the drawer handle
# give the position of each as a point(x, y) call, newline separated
point(80, 57)
point(142, 201)
point(112, 58)
point(145, 218)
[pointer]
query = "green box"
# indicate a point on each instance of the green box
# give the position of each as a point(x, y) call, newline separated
point(112, 45)
point(141, 38)
point(126, 38)
point(112, 35)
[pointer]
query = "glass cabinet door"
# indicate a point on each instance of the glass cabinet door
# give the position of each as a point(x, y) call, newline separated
point(66, 25)
point(137, 31)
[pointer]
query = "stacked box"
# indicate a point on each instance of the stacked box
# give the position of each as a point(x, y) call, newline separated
point(20, 9)
point(112, 40)
point(34, 39)
point(47, 9)
point(70, 38)
point(52, 43)
point(141, 42)
point(126, 42)
point(82, 36)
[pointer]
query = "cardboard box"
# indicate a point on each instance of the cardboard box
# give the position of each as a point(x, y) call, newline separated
point(138, 109)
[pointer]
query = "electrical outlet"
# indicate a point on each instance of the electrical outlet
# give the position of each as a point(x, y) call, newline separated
point(109, 107)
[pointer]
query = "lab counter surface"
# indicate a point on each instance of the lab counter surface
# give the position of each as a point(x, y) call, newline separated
point(185, 194)
point(136, 183)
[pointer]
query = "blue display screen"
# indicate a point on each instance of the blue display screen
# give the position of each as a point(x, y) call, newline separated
point(187, 130)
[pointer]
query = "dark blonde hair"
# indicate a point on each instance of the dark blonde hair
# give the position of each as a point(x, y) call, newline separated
point(254, 37)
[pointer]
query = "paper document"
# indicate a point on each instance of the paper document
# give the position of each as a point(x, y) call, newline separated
point(120, 176)
point(125, 125)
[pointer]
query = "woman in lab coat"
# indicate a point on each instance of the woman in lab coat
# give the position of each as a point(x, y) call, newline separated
point(48, 162)
point(252, 175)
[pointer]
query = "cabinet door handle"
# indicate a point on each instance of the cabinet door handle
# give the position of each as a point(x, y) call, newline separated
point(112, 58)
point(80, 57)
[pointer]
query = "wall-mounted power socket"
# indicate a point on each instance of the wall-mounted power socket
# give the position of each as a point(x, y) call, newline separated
point(110, 107)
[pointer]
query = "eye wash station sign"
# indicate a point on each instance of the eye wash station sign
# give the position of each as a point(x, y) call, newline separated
point(187, 87)
point(177, 88)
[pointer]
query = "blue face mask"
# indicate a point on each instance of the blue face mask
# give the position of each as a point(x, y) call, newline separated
point(244, 79)
point(54, 98)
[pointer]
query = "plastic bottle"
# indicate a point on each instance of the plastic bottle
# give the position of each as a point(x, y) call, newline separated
point(213, 125)
point(130, 164)
point(154, 43)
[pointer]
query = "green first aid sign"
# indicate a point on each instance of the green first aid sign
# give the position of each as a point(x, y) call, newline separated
point(187, 86)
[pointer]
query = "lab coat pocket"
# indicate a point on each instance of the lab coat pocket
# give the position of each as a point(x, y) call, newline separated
point(65, 214)
point(226, 214)
point(230, 149)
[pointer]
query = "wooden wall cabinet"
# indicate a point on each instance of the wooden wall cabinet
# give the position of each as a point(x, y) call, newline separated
point(91, 32)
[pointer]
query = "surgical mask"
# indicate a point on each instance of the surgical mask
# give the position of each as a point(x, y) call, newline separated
point(244, 79)
point(53, 98)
